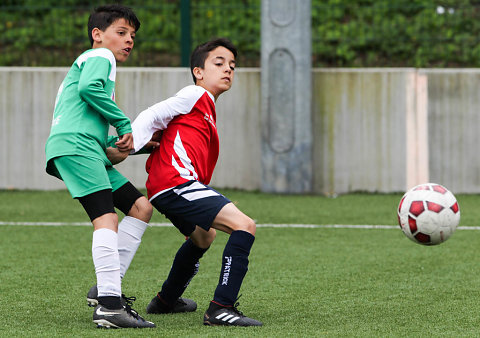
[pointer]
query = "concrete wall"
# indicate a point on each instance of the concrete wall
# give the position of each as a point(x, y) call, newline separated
point(27, 96)
point(454, 128)
point(373, 129)
point(367, 126)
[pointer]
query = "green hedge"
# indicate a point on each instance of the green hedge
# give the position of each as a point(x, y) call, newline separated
point(401, 33)
point(345, 33)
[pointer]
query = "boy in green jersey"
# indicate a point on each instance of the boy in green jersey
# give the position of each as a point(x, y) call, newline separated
point(76, 154)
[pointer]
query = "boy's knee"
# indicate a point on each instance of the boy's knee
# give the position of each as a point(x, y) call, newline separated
point(204, 239)
point(208, 239)
point(142, 210)
point(108, 221)
point(212, 234)
point(250, 226)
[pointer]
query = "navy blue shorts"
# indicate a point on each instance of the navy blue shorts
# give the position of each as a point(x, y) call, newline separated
point(190, 204)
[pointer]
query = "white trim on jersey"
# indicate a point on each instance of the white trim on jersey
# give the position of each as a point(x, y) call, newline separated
point(158, 116)
point(187, 171)
point(154, 196)
point(102, 52)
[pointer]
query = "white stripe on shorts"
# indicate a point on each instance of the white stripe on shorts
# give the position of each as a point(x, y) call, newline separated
point(194, 186)
point(196, 195)
point(199, 191)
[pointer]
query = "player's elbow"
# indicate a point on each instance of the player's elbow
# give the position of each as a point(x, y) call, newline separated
point(83, 89)
point(87, 90)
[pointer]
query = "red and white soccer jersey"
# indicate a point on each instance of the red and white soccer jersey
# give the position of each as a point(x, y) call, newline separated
point(189, 146)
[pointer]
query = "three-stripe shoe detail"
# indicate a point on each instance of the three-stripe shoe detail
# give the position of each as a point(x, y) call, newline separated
point(227, 317)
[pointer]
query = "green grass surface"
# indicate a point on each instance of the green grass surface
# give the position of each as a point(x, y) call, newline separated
point(301, 282)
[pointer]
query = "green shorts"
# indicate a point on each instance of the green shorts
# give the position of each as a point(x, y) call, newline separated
point(86, 175)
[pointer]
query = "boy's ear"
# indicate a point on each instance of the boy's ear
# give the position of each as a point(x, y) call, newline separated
point(97, 35)
point(198, 73)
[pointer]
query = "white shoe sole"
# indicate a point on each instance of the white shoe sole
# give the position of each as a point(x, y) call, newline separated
point(102, 323)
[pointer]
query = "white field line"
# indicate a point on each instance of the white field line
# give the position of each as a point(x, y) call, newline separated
point(266, 225)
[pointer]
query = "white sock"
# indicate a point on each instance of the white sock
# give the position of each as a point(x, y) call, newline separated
point(130, 232)
point(107, 262)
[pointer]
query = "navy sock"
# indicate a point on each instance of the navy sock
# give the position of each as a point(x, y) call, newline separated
point(184, 268)
point(234, 267)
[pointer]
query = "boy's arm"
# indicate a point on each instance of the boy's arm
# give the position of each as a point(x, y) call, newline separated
point(158, 116)
point(116, 156)
point(91, 89)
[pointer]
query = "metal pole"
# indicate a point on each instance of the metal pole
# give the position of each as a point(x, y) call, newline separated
point(185, 37)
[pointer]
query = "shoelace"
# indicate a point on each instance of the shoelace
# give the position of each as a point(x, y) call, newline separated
point(129, 300)
point(132, 312)
point(128, 307)
point(234, 307)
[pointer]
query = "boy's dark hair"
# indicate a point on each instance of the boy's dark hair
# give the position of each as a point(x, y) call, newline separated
point(200, 53)
point(104, 16)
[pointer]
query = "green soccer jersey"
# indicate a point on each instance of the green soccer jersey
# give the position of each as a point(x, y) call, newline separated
point(84, 109)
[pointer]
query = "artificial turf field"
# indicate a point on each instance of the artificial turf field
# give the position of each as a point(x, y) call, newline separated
point(302, 282)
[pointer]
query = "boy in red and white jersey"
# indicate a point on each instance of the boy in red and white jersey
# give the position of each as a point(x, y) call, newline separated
point(178, 173)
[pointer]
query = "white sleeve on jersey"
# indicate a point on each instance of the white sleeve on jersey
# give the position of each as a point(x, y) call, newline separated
point(160, 114)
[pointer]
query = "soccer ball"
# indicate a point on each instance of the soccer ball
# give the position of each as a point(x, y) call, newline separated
point(428, 214)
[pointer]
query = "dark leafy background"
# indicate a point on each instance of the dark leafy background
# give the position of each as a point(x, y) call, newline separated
point(345, 33)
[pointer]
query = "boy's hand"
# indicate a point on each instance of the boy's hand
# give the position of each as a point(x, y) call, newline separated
point(125, 142)
point(116, 156)
point(151, 146)
point(157, 136)
point(154, 141)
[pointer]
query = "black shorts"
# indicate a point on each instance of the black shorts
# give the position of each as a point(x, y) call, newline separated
point(190, 204)
point(103, 202)
point(125, 197)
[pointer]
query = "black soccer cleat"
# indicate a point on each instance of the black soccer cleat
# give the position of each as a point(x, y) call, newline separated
point(125, 317)
point(217, 315)
point(92, 296)
point(156, 306)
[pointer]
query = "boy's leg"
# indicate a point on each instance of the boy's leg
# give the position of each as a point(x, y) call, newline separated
point(87, 181)
point(138, 212)
point(99, 207)
point(186, 206)
point(235, 255)
point(222, 309)
point(194, 209)
point(185, 266)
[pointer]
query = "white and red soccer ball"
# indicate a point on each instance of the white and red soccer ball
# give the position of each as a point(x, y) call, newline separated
point(428, 214)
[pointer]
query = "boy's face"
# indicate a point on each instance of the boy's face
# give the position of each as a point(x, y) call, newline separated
point(118, 37)
point(217, 74)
